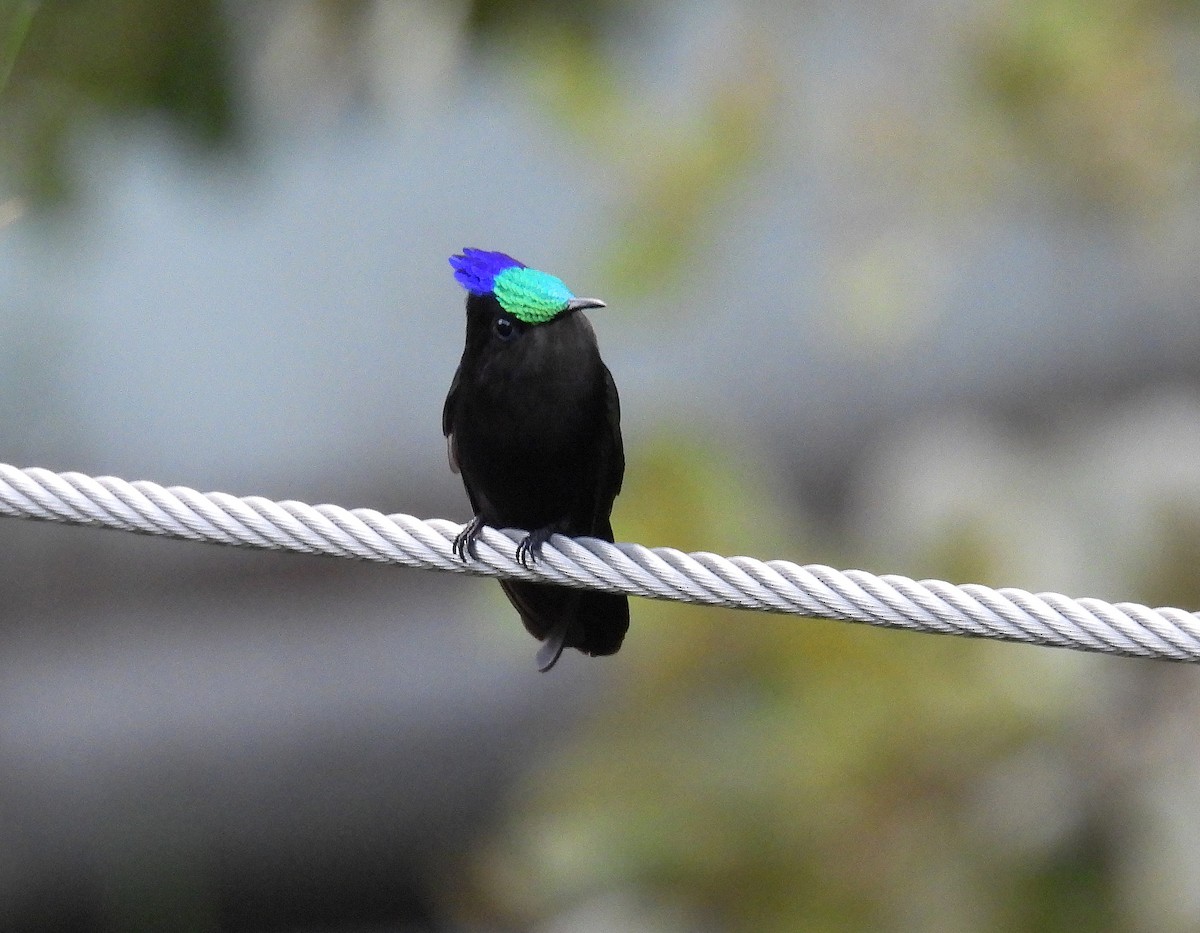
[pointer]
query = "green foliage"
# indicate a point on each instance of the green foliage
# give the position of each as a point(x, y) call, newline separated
point(1097, 93)
point(675, 172)
point(14, 27)
point(497, 20)
point(687, 172)
point(1172, 578)
point(90, 59)
point(785, 774)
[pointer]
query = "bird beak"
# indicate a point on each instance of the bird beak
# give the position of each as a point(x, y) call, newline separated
point(578, 304)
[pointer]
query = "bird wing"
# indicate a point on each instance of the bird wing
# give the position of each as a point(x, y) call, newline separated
point(610, 470)
point(448, 420)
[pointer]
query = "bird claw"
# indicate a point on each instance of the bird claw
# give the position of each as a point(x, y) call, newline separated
point(464, 541)
point(530, 549)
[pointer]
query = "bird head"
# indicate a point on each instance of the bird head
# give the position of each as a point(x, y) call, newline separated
point(530, 296)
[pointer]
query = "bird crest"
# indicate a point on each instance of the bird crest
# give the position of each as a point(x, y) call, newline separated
point(531, 296)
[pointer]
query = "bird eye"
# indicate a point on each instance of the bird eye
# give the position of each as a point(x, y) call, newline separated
point(504, 328)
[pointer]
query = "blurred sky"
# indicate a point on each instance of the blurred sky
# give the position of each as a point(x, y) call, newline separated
point(911, 286)
point(246, 319)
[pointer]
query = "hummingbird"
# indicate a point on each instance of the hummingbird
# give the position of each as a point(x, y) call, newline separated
point(533, 425)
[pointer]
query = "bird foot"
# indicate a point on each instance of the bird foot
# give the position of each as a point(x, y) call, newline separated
point(530, 548)
point(464, 541)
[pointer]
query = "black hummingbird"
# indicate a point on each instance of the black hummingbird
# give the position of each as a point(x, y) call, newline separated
point(533, 424)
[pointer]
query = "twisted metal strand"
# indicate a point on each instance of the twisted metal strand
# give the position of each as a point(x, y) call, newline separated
point(655, 573)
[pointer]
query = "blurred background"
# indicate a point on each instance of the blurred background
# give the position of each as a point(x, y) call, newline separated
point(910, 287)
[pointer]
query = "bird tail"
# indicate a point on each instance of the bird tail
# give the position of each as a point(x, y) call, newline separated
point(595, 622)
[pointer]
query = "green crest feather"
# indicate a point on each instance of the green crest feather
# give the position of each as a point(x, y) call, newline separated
point(531, 296)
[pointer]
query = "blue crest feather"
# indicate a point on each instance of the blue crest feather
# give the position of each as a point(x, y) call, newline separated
point(476, 269)
point(527, 294)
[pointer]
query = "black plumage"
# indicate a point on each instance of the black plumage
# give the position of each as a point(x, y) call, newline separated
point(532, 422)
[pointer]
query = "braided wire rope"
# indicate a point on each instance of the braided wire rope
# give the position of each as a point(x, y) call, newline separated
point(657, 573)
